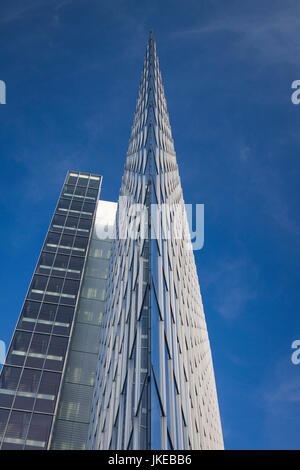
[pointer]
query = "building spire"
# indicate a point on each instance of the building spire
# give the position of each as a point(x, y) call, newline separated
point(156, 387)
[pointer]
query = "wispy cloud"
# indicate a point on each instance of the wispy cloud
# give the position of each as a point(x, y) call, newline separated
point(287, 391)
point(244, 153)
point(232, 282)
point(279, 397)
point(267, 182)
point(18, 11)
point(282, 384)
point(272, 35)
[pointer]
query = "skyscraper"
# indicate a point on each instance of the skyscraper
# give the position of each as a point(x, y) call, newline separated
point(111, 349)
point(47, 380)
point(155, 386)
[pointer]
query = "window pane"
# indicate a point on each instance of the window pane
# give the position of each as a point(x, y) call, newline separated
point(46, 318)
point(80, 245)
point(94, 289)
point(96, 268)
point(37, 351)
point(39, 431)
point(63, 320)
point(8, 383)
point(58, 222)
point(3, 421)
point(6, 446)
point(85, 224)
point(100, 249)
point(68, 190)
point(90, 311)
point(52, 241)
point(19, 348)
point(54, 289)
point(27, 388)
point(47, 313)
point(71, 287)
point(55, 284)
point(39, 282)
point(9, 378)
point(47, 393)
point(92, 193)
point(82, 181)
point(80, 191)
point(76, 206)
point(93, 183)
point(67, 240)
point(38, 287)
point(88, 207)
point(31, 309)
point(72, 179)
point(29, 381)
point(6, 399)
point(70, 291)
point(75, 267)
point(60, 263)
point(66, 244)
point(45, 263)
point(56, 353)
point(76, 263)
point(17, 427)
point(63, 206)
point(39, 344)
point(71, 223)
point(29, 314)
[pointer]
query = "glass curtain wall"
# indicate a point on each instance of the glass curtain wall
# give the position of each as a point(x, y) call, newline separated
point(74, 410)
point(31, 376)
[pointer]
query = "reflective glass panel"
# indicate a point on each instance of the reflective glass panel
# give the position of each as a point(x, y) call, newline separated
point(29, 314)
point(19, 347)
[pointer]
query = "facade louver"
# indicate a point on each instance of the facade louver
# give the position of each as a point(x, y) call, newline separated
point(155, 386)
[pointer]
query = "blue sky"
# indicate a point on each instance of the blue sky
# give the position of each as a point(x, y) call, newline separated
point(72, 70)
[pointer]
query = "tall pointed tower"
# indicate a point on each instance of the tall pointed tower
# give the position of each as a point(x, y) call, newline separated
point(155, 386)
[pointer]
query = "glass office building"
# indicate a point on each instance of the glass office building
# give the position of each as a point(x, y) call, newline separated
point(155, 386)
point(111, 349)
point(47, 379)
